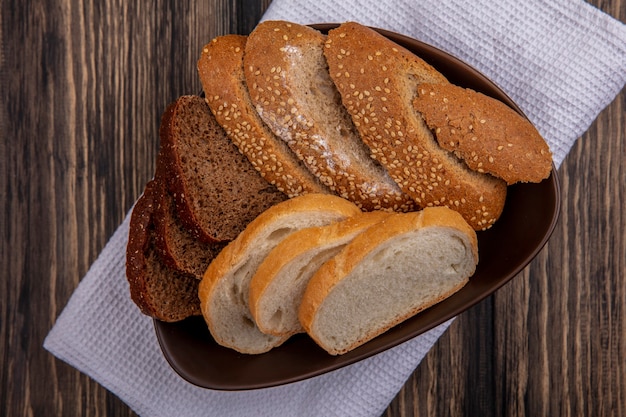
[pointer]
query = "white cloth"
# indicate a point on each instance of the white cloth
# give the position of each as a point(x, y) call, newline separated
point(562, 61)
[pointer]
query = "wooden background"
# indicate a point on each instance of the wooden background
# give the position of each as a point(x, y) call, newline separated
point(83, 85)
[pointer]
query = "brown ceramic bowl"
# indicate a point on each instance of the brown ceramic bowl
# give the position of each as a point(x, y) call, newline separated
point(528, 219)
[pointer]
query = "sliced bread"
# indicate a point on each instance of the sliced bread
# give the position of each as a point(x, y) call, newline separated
point(159, 292)
point(216, 189)
point(289, 84)
point(220, 68)
point(378, 81)
point(177, 247)
point(224, 289)
point(277, 287)
point(391, 271)
point(484, 132)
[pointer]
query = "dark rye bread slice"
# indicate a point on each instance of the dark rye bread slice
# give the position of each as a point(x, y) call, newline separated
point(158, 291)
point(220, 68)
point(216, 189)
point(378, 80)
point(177, 247)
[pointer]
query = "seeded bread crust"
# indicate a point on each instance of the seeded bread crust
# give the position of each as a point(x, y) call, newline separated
point(378, 81)
point(216, 189)
point(158, 291)
point(220, 68)
point(365, 249)
point(290, 87)
point(487, 134)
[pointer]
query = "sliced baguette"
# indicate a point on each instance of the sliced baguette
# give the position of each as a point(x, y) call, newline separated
point(484, 132)
point(378, 81)
point(158, 291)
point(216, 189)
point(396, 268)
point(220, 68)
point(224, 289)
point(289, 84)
point(277, 287)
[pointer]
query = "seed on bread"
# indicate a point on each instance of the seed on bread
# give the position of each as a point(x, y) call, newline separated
point(220, 68)
point(377, 80)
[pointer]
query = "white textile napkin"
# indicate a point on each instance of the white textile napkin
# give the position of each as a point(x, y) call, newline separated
point(562, 61)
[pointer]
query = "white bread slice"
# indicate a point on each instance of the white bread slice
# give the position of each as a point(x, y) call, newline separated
point(388, 273)
point(279, 283)
point(288, 81)
point(224, 288)
point(378, 80)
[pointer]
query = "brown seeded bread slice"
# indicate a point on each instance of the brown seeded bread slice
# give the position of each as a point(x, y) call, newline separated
point(288, 80)
point(177, 247)
point(487, 134)
point(216, 189)
point(224, 289)
point(390, 272)
point(220, 68)
point(278, 284)
point(378, 81)
point(159, 292)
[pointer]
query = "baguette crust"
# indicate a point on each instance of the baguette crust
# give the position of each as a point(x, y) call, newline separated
point(224, 289)
point(287, 268)
point(378, 80)
point(220, 68)
point(332, 273)
point(487, 134)
point(289, 84)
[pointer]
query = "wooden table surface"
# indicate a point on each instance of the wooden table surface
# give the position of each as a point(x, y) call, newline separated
point(83, 86)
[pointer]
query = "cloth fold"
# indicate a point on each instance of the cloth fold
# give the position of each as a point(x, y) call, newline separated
point(561, 61)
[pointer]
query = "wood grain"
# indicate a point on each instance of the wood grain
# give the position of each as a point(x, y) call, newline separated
point(84, 84)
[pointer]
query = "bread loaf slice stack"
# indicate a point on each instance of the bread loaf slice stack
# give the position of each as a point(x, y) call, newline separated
point(224, 289)
point(200, 175)
point(388, 273)
point(359, 117)
point(279, 282)
point(159, 291)
point(344, 279)
point(378, 81)
point(330, 184)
